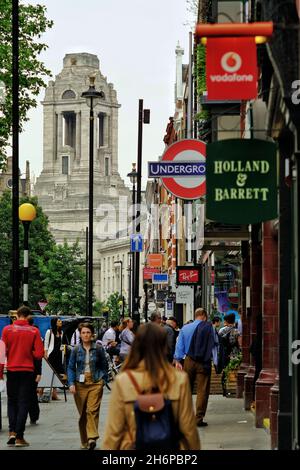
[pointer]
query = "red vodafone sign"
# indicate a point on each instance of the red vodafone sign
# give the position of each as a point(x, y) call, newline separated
point(188, 157)
point(231, 68)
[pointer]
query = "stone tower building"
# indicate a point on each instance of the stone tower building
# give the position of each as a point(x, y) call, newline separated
point(63, 186)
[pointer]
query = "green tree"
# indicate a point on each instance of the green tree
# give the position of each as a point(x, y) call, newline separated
point(33, 23)
point(114, 307)
point(98, 308)
point(64, 280)
point(41, 244)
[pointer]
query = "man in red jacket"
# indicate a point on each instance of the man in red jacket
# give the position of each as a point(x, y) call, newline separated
point(23, 345)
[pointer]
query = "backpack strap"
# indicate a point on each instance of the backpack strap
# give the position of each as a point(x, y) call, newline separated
point(133, 381)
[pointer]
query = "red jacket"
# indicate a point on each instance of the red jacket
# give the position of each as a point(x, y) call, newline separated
point(23, 345)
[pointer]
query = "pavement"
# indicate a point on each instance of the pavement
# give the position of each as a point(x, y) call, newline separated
point(230, 427)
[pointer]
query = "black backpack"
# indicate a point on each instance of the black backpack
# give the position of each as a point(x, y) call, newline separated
point(224, 350)
point(155, 425)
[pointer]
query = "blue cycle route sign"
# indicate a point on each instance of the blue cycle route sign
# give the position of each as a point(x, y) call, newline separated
point(158, 278)
point(136, 243)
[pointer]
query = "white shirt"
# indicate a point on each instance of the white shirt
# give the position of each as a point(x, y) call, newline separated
point(109, 335)
point(75, 338)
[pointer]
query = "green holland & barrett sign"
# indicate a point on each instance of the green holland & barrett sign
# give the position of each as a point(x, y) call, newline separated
point(241, 181)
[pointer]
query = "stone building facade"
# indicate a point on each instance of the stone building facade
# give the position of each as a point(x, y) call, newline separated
point(63, 186)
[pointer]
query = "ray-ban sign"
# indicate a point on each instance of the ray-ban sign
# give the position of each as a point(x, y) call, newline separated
point(188, 275)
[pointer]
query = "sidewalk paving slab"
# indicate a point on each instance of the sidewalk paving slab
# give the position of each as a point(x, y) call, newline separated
point(230, 427)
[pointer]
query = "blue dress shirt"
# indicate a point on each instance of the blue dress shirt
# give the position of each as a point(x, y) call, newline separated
point(184, 339)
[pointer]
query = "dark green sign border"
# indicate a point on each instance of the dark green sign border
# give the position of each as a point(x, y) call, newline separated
point(241, 181)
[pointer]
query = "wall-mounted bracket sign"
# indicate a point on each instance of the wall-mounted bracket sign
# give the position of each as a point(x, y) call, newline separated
point(231, 68)
point(241, 179)
point(188, 275)
point(182, 169)
point(231, 59)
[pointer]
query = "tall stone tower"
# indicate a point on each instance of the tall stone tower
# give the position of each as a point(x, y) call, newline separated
point(63, 186)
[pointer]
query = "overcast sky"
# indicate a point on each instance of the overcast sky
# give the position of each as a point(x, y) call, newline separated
point(135, 41)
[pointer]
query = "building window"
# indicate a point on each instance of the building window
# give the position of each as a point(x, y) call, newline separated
point(65, 165)
point(68, 95)
point(106, 166)
point(101, 126)
point(69, 129)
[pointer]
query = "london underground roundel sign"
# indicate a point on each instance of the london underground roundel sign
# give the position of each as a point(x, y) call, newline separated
point(188, 157)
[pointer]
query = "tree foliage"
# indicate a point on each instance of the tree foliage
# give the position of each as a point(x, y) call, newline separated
point(32, 23)
point(41, 244)
point(64, 280)
point(114, 307)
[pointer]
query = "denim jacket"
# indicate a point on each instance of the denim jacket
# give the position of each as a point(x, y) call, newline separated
point(98, 363)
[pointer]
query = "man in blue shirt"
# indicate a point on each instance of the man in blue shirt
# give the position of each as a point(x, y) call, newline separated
point(195, 345)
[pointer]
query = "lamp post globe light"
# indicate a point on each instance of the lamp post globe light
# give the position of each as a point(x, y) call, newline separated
point(133, 176)
point(27, 213)
point(92, 98)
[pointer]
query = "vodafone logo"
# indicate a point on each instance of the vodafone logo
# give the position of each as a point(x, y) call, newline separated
point(231, 62)
point(231, 68)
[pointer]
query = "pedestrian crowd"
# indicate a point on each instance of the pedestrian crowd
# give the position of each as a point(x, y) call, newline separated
point(151, 404)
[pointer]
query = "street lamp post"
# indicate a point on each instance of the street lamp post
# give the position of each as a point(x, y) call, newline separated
point(120, 262)
point(92, 96)
point(143, 118)
point(27, 214)
point(133, 175)
point(15, 154)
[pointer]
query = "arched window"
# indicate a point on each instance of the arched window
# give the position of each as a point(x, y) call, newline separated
point(68, 95)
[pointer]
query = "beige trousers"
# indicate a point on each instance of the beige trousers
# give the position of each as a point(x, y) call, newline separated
point(196, 372)
point(88, 399)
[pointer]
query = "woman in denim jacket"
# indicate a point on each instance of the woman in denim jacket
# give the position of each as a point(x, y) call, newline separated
point(87, 371)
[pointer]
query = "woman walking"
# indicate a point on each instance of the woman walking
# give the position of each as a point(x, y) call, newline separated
point(53, 346)
point(86, 370)
point(126, 337)
point(147, 369)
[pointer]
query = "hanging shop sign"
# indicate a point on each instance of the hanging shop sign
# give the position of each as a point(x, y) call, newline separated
point(231, 68)
point(184, 295)
point(155, 260)
point(188, 275)
point(147, 273)
point(182, 169)
point(241, 181)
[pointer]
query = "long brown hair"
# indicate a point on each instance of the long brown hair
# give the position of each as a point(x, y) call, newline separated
point(150, 346)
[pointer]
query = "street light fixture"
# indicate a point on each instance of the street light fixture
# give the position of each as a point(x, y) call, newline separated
point(143, 118)
point(120, 262)
point(133, 176)
point(92, 98)
point(27, 213)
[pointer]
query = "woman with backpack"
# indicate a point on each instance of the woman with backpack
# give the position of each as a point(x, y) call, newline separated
point(87, 371)
point(229, 339)
point(54, 349)
point(151, 403)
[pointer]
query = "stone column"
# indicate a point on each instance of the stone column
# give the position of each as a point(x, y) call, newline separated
point(270, 324)
point(254, 313)
point(245, 321)
point(78, 136)
point(113, 131)
point(59, 132)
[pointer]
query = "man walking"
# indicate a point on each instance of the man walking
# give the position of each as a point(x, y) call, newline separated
point(23, 344)
point(195, 345)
